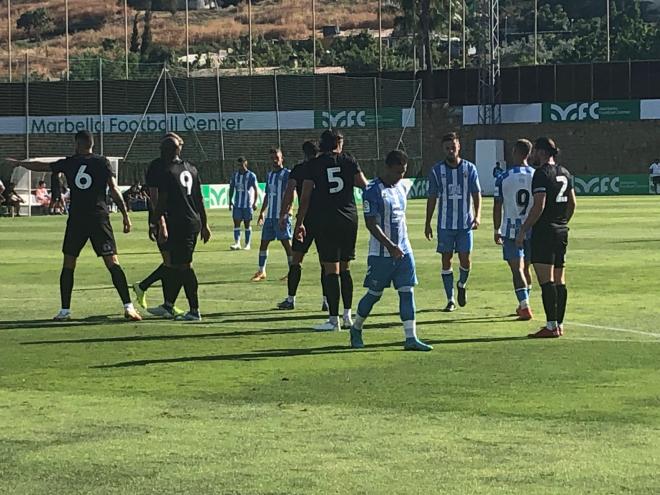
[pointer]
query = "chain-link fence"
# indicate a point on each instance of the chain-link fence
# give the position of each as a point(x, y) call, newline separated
point(218, 118)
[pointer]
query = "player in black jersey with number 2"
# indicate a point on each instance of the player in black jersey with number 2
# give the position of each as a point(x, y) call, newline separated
point(88, 176)
point(328, 191)
point(181, 218)
point(554, 205)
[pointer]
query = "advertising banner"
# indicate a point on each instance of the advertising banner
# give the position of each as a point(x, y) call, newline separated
point(590, 111)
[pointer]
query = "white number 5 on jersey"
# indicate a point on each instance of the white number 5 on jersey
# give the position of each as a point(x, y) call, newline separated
point(335, 181)
point(186, 180)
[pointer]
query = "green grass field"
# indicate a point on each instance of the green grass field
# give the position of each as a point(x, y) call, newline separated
point(251, 402)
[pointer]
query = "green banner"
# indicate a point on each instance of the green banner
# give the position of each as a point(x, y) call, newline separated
point(611, 185)
point(359, 118)
point(591, 111)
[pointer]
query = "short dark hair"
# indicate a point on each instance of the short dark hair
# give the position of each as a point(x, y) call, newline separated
point(241, 159)
point(329, 140)
point(275, 150)
point(85, 138)
point(310, 148)
point(548, 145)
point(451, 136)
point(396, 157)
point(175, 136)
point(523, 146)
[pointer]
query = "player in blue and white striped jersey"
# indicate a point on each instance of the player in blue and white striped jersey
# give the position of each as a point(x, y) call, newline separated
point(243, 195)
point(390, 258)
point(454, 186)
point(514, 198)
point(275, 189)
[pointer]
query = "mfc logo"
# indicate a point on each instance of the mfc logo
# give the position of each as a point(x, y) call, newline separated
point(343, 119)
point(598, 185)
point(575, 111)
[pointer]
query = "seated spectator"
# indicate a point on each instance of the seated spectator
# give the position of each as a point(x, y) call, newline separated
point(66, 199)
point(130, 195)
point(42, 196)
point(654, 172)
point(13, 200)
point(2, 189)
point(56, 204)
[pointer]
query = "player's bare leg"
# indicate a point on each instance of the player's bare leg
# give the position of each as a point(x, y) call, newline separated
point(248, 235)
point(545, 276)
point(120, 283)
point(237, 235)
point(263, 258)
point(190, 284)
point(66, 287)
point(520, 285)
point(286, 244)
point(332, 287)
point(562, 297)
point(448, 281)
point(464, 273)
point(346, 282)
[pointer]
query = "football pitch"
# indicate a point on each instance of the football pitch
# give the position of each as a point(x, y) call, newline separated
point(250, 401)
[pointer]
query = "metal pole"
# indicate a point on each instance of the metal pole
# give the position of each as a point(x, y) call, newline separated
point(250, 35)
point(222, 134)
point(314, 34)
point(27, 128)
point(464, 35)
point(327, 81)
point(101, 101)
point(126, 36)
point(66, 28)
point(187, 41)
point(536, 32)
point(277, 112)
point(449, 38)
point(9, 26)
point(380, 35)
point(608, 30)
point(377, 123)
point(165, 79)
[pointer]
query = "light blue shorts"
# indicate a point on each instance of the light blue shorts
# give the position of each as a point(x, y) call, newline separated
point(510, 251)
point(242, 214)
point(455, 241)
point(271, 230)
point(382, 272)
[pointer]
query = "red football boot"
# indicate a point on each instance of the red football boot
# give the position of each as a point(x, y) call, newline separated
point(524, 314)
point(544, 333)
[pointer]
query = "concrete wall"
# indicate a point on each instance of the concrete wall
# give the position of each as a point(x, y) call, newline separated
point(588, 148)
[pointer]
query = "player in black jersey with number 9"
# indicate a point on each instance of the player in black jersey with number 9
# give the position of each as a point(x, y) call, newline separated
point(554, 205)
point(328, 190)
point(88, 176)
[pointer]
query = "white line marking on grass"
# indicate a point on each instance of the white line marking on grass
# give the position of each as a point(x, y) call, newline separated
point(614, 329)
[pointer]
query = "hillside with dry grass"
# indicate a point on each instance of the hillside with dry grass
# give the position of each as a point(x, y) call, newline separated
point(92, 22)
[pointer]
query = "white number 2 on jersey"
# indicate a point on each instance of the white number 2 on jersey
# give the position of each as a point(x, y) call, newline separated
point(186, 181)
point(335, 181)
point(83, 180)
point(561, 197)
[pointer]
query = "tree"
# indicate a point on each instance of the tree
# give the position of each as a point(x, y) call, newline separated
point(135, 35)
point(147, 37)
point(35, 22)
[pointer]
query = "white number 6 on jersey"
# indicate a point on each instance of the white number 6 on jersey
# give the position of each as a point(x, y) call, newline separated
point(186, 181)
point(335, 181)
point(83, 180)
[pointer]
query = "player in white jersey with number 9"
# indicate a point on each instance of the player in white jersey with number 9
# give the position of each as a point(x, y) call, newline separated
point(514, 198)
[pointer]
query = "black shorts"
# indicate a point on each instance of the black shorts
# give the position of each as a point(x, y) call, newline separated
point(97, 230)
point(303, 247)
point(181, 247)
point(336, 242)
point(656, 180)
point(549, 246)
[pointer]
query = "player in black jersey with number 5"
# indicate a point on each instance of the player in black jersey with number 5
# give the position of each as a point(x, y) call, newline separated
point(328, 191)
point(88, 176)
point(554, 205)
point(181, 218)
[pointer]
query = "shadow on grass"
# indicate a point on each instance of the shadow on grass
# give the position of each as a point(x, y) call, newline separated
point(283, 353)
point(50, 323)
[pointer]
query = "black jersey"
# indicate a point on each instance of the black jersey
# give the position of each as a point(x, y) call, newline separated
point(87, 176)
point(180, 182)
point(334, 179)
point(154, 172)
point(556, 182)
point(298, 174)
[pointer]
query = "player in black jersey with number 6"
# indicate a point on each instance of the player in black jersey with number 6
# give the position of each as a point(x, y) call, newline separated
point(328, 191)
point(554, 205)
point(88, 176)
point(181, 218)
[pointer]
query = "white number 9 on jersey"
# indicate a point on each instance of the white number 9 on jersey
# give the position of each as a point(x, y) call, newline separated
point(83, 180)
point(186, 180)
point(335, 181)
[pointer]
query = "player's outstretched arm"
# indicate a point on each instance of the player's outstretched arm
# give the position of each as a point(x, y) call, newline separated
point(361, 180)
point(35, 166)
point(119, 201)
point(430, 208)
point(377, 232)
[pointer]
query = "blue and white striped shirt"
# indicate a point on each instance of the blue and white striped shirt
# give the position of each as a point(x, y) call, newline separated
point(275, 189)
point(243, 182)
point(388, 205)
point(454, 188)
point(514, 190)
